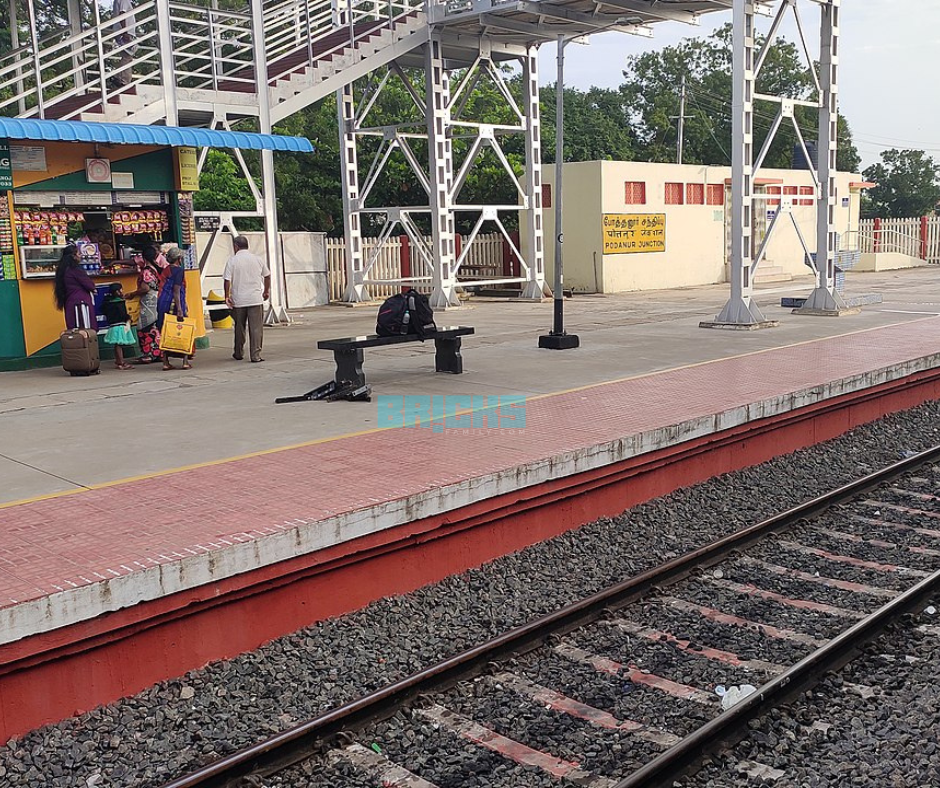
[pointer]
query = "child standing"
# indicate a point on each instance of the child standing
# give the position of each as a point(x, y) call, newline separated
point(119, 324)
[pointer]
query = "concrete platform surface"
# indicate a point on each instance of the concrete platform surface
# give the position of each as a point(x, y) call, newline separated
point(646, 378)
point(63, 434)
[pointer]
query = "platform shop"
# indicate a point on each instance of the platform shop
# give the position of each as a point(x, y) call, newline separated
point(111, 202)
point(110, 188)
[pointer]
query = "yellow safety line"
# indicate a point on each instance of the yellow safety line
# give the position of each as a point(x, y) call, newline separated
point(373, 430)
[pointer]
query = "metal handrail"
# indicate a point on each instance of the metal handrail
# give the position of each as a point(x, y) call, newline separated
point(887, 240)
point(212, 47)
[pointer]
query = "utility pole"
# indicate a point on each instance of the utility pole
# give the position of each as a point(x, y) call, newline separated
point(680, 144)
point(558, 338)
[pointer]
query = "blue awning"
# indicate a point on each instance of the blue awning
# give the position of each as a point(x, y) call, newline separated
point(129, 134)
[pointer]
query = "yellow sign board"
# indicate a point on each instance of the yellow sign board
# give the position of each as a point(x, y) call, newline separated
point(188, 169)
point(634, 233)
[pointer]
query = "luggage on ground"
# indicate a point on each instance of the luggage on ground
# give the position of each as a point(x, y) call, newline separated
point(80, 354)
point(406, 313)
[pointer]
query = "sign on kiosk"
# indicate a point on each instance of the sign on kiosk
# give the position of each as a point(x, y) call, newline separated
point(634, 233)
point(6, 166)
point(187, 169)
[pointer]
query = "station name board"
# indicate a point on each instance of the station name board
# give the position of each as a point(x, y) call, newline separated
point(634, 233)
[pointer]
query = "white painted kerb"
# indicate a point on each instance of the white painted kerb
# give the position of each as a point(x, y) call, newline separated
point(201, 564)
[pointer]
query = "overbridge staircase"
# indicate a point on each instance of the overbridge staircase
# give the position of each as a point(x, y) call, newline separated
point(197, 62)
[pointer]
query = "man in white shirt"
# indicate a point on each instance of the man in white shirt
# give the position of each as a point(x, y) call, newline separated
point(247, 286)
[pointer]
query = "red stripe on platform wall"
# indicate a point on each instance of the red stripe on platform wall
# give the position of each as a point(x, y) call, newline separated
point(129, 650)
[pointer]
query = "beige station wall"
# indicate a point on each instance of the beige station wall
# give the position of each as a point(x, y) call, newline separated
point(583, 269)
point(696, 236)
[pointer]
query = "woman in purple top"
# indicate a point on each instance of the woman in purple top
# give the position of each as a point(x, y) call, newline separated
point(74, 291)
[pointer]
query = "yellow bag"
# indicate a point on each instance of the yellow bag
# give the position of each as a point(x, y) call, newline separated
point(133, 310)
point(178, 336)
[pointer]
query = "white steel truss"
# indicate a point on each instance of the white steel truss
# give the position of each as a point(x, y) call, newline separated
point(265, 208)
point(443, 181)
point(190, 62)
point(740, 311)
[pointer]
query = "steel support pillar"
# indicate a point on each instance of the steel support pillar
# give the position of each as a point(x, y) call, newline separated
point(356, 290)
point(825, 299)
point(167, 65)
point(75, 28)
point(741, 311)
point(15, 44)
point(441, 169)
point(277, 309)
point(535, 288)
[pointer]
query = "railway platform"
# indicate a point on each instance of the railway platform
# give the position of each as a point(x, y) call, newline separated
point(157, 521)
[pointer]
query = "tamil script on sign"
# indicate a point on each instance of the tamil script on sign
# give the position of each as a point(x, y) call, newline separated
point(632, 233)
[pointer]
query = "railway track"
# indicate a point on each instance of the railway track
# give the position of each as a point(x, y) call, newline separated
point(632, 686)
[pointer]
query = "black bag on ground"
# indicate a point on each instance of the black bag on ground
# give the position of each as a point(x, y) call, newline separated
point(406, 313)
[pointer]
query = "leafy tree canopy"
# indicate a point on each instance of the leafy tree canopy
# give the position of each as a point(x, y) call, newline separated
point(908, 185)
point(652, 86)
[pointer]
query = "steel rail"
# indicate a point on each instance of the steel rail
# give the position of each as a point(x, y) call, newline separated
point(732, 724)
point(294, 745)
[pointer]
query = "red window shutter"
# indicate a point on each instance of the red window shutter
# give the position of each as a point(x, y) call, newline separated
point(634, 192)
point(675, 193)
point(716, 194)
point(695, 194)
point(546, 195)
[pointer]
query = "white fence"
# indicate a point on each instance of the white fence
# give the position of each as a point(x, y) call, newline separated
point(484, 260)
point(914, 237)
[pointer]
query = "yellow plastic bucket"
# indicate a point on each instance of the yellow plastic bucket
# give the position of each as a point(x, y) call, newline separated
point(221, 318)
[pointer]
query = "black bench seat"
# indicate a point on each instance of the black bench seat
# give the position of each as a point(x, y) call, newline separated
point(348, 352)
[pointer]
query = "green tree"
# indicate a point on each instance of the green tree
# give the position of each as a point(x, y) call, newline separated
point(651, 88)
point(908, 185)
point(597, 125)
point(309, 190)
point(222, 185)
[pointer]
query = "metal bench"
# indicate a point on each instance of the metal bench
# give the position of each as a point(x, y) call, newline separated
point(349, 382)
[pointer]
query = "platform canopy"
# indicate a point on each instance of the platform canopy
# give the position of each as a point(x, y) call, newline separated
point(128, 134)
point(531, 21)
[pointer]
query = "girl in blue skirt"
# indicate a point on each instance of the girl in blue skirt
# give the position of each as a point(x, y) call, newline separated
point(119, 324)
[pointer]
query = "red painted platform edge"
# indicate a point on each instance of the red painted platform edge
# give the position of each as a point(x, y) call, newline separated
point(54, 675)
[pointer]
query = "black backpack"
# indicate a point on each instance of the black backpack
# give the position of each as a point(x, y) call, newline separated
point(406, 313)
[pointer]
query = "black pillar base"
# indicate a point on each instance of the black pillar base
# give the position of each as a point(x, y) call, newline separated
point(559, 341)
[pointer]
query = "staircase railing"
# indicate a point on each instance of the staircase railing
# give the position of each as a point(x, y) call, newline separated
point(84, 66)
point(66, 73)
point(887, 240)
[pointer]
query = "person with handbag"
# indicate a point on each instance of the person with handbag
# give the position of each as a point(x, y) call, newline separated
point(172, 301)
point(74, 291)
point(147, 292)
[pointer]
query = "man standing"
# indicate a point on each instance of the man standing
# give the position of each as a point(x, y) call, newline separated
point(247, 286)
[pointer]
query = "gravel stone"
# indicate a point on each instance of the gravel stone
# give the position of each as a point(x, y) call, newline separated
point(831, 737)
point(148, 739)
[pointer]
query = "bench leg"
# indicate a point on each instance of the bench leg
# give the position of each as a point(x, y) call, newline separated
point(448, 358)
point(349, 367)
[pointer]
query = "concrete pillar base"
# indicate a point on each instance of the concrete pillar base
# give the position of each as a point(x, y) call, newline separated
point(827, 312)
point(356, 293)
point(739, 326)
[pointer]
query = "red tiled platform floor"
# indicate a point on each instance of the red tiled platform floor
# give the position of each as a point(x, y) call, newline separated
point(72, 540)
point(74, 558)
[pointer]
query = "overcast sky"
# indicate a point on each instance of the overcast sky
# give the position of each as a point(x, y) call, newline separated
point(890, 67)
